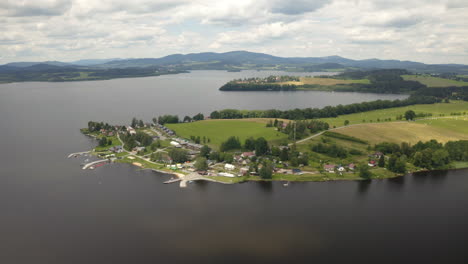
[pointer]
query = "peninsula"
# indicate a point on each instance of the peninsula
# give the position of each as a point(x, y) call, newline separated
point(372, 140)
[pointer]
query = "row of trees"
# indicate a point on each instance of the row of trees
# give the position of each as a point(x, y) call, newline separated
point(97, 126)
point(328, 111)
point(139, 139)
point(429, 155)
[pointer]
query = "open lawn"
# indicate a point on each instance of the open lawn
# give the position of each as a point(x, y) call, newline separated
point(372, 116)
point(411, 132)
point(431, 81)
point(219, 131)
point(456, 124)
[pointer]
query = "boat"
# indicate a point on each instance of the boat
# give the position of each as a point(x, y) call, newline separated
point(286, 184)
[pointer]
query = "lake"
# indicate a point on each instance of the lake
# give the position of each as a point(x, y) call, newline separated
point(52, 211)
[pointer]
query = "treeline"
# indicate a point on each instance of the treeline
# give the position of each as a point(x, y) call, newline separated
point(453, 92)
point(139, 139)
point(328, 111)
point(97, 126)
point(428, 155)
point(234, 86)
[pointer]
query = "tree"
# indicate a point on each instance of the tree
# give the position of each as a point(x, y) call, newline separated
point(249, 143)
point(230, 144)
point(103, 142)
point(134, 122)
point(261, 146)
point(205, 151)
point(187, 119)
point(201, 164)
point(284, 155)
point(410, 115)
point(228, 157)
point(141, 123)
point(266, 172)
point(381, 161)
point(198, 117)
point(364, 171)
point(346, 122)
point(178, 155)
point(440, 158)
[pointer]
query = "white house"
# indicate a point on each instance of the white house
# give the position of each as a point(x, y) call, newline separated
point(229, 167)
point(175, 144)
point(225, 174)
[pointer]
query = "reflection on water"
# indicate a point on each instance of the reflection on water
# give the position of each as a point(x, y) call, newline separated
point(363, 186)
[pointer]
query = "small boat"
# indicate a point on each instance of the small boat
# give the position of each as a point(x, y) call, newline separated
point(190, 181)
point(286, 184)
point(86, 160)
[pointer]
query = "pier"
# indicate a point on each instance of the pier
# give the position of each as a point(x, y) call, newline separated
point(92, 163)
point(78, 153)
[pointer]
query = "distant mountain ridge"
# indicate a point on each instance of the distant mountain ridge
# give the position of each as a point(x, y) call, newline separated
point(244, 60)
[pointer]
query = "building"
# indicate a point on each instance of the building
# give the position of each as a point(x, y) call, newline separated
point(372, 163)
point(329, 168)
point(352, 166)
point(341, 169)
point(229, 167)
point(248, 154)
point(175, 144)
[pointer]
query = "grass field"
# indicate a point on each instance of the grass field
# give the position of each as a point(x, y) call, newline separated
point(411, 132)
point(431, 81)
point(219, 130)
point(372, 116)
point(455, 124)
point(325, 81)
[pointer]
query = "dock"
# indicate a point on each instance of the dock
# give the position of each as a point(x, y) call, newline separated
point(78, 153)
point(92, 163)
point(172, 181)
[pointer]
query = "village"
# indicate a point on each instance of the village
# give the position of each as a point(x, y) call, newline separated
point(163, 141)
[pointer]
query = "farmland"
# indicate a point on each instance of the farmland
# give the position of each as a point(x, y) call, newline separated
point(412, 132)
point(373, 116)
point(220, 130)
point(431, 81)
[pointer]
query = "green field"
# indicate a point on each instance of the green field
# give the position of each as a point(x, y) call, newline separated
point(431, 81)
point(372, 116)
point(412, 132)
point(219, 130)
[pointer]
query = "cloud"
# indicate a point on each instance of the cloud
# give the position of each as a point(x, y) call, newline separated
point(295, 7)
point(428, 31)
point(27, 8)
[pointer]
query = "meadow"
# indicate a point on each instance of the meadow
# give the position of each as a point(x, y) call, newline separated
point(442, 130)
point(220, 130)
point(373, 116)
point(431, 81)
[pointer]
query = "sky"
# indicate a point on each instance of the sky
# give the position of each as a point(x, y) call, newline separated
point(429, 31)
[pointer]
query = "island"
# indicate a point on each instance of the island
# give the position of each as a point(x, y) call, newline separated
point(371, 140)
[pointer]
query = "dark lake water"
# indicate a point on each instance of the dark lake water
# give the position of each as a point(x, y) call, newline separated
point(51, 211)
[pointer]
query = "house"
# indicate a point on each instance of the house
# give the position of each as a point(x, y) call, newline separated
point(377, 154)
point(352, 166)
point(329, 168)
point(372, 163)
point(138, 149)
point(248, 154)
point(225, 174)
point(244, 171)
point(229, 167)
point(116, 149)
point(175, 144)
point(341, 169)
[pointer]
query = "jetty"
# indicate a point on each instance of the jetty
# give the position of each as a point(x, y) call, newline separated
point(78, 153)
point(93, 163)
point(172, 180)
